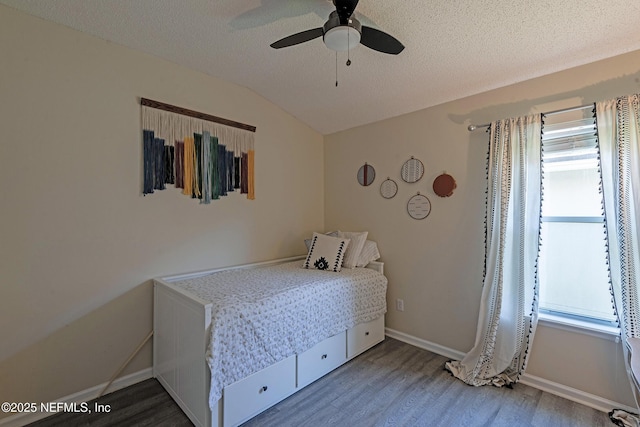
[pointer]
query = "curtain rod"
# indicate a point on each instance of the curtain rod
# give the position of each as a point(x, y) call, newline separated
point(191, 113)
point(472, 127)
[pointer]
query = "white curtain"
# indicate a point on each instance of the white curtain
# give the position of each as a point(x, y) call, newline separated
point(508, 308)
point(619, 139)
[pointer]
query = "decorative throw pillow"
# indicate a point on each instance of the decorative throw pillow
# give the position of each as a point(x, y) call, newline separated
point(355, 247)
point(307, 242)
point(368, 253)
point(326, 252)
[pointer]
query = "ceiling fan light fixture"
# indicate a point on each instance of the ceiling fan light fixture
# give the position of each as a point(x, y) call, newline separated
point(342, 38)
point(343, 32)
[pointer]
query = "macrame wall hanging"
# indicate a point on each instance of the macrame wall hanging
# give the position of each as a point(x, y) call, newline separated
point(205, 156)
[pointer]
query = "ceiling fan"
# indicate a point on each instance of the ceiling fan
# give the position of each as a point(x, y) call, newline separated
point(343, 32)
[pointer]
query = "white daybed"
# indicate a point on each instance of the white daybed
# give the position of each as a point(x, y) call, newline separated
point(189, 325)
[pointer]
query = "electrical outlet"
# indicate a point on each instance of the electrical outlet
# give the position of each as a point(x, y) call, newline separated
point(399, 304)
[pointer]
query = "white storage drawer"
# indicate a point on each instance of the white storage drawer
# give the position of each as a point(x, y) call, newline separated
point(250, 396)
point(322, 358)
point(363, 336)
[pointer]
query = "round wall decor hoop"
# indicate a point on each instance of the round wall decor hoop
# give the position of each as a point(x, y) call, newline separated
point(366, 175)
point(388, 188)
point(444, 185)
point(412, 170)
point(419, 206)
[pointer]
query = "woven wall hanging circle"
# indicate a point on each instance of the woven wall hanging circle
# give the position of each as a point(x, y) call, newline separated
point(419, 206)
point(366, 175)
point(388, 188)
point(412, 170)
point(444, 185)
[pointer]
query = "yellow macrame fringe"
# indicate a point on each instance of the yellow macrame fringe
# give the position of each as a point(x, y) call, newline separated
point(189, 163)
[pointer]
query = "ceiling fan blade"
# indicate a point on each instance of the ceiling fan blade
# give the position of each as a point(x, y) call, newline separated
point(297, 38)
point(380, 41)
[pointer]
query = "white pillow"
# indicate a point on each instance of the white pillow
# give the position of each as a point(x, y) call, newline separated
point(355, 247)
point(326, 252)
point(368, 253)
point(307, 242)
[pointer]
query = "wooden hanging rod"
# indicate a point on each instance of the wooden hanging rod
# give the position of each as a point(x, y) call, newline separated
point(198, 115)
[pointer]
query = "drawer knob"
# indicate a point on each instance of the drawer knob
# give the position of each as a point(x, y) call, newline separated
point(263, 389)
point(366, 333)
point(324, 356)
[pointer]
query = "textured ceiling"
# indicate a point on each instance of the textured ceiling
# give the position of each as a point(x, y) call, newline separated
point(453, 48)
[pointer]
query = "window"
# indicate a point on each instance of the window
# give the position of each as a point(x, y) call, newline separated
point(573, 273)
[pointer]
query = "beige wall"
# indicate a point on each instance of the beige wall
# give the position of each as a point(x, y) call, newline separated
point(435, 265)
point(79, 243)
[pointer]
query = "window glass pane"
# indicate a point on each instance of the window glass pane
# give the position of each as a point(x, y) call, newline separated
point(571, 188)
point(572, 267)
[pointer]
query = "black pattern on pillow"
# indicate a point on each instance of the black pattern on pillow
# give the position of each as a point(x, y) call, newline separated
point(326, 252)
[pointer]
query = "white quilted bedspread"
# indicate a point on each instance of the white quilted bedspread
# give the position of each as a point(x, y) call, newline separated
point(263, 315)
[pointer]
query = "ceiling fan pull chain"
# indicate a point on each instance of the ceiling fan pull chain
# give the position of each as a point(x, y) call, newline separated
point(348, 46)
point(336, 68)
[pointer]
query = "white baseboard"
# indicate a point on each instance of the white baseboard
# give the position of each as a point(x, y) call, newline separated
point(424, 344)
point(575, 395)
point(22, 419)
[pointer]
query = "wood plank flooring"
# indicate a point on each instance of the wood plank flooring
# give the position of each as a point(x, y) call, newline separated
point(142, 404)
point(393, 384)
